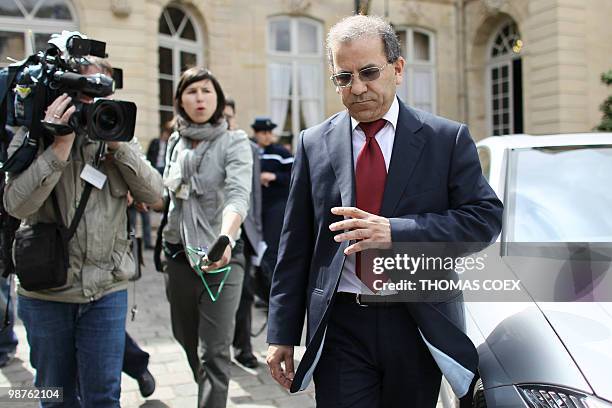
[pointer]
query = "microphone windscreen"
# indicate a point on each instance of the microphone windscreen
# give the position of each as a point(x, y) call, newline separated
point(218, 248)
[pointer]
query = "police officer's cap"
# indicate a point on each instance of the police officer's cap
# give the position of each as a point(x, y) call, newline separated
point(263, 123)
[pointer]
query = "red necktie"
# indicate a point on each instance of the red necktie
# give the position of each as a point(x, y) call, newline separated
point(370, 178)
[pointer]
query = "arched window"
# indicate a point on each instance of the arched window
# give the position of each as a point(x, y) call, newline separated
point(295, 73)
point(504, 81)
point(418, 88)
point(180, 47)
point(26, 25)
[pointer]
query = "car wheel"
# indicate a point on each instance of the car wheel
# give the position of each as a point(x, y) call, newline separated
point(479, 395)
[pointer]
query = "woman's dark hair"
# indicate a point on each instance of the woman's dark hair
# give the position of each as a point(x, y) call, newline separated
point(197, 74)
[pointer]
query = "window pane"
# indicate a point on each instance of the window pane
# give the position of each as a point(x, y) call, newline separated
point(163, 24)
point(402, 40)
point(165, 60)
point(288, 126)
point(506, 31)
point(422, 87)
point(54, 9)
point(307, 40)
point(176, 16)
point(506, 119)
point(165, 92)
point(421, 46)
point(302, 118)
point(40, 41)
point(9, 8)
point(188, 32)
point(188, 60)
point(165, 116)
point(280, 35)
point(11, 45)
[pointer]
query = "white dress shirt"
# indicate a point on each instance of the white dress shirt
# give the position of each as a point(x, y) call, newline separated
point(349, 282)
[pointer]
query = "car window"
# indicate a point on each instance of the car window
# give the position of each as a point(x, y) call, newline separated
point(560, 195)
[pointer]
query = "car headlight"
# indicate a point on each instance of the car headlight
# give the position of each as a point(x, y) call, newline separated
point(546, 396)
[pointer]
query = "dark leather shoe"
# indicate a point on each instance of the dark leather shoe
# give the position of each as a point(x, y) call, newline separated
point(247, 360)
point(146, 384)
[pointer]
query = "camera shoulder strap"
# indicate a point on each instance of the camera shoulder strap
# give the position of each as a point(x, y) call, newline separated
point(79, 211)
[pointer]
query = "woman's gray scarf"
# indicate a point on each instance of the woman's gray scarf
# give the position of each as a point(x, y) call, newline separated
point(182, 179)
point(195, 131)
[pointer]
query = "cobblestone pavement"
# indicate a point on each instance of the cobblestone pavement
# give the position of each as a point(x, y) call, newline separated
point(175, 386)
point(168, 364)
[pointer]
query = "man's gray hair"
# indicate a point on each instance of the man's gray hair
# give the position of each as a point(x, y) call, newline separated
point(360, 26)
point(101, 63)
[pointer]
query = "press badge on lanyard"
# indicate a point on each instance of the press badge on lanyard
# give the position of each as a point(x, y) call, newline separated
point(93, 176)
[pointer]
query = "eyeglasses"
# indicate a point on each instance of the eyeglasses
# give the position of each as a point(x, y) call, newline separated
point(345, 79)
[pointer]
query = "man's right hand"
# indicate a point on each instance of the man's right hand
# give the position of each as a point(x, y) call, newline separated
point(278, 354)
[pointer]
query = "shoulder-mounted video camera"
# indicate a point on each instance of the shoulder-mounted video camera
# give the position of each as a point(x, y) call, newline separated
point(29, 86)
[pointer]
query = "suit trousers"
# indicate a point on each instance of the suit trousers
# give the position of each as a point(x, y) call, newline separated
point(204, 328)
point(374, 357)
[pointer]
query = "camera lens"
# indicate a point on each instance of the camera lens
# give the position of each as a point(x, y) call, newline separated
point(107, 120)
point(111, 120)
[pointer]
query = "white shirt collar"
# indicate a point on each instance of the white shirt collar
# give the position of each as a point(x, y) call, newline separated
point(391, 115)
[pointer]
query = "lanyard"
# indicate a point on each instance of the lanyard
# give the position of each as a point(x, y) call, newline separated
point(195, 255)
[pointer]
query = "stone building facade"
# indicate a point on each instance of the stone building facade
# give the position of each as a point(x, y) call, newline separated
point(502, 66)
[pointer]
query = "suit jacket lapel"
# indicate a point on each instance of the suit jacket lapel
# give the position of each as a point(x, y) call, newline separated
point(407, 148)
point(339, 147)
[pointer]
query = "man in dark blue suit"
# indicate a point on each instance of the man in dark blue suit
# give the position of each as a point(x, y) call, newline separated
point(378, 173)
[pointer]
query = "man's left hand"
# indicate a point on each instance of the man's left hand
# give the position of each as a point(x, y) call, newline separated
point(369, 230)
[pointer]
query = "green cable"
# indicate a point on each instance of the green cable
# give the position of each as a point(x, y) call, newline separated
point(200, 253)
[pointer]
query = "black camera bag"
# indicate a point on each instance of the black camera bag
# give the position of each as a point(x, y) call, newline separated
point(41, 250)
point(41, 256)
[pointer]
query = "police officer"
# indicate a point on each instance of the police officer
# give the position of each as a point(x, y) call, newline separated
point(276, 162)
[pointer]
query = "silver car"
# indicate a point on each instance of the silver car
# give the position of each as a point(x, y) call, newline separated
point(546, 354)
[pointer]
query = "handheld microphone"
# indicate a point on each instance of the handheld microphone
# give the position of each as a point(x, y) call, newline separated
point(216, 250)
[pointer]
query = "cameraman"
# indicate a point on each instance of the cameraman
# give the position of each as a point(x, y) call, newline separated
point(77, 332)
